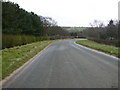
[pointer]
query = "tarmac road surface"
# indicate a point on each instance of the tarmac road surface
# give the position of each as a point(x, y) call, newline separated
point(67, 65)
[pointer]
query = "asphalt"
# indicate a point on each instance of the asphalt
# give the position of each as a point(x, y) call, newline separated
point(67, 65)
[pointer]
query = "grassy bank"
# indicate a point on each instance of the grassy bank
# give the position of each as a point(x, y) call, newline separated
point(0, 65)
point(13, 58)
point(101, 47)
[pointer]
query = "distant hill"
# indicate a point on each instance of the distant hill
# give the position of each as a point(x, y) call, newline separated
point(74, 29)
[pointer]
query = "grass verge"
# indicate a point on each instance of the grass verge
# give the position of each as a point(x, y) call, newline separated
point(112, 50)
point(0, 65)
point(13, 58)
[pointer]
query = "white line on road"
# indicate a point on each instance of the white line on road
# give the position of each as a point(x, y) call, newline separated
point(97, 51)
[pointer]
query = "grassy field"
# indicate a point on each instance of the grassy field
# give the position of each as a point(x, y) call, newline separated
point(74, 29)
point(13, 58)
point(101, 47)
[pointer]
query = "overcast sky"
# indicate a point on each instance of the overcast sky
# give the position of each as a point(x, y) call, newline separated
point(73, 12)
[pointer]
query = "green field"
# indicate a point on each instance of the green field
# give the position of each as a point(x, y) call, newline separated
point(101, 47)
point(74, 29)
point(13, 58)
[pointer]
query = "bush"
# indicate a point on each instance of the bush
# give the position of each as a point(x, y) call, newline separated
point(61, 37)
point(16, 40)
point(107, 42)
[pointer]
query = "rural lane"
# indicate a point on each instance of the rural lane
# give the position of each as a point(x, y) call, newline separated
point(67, 65)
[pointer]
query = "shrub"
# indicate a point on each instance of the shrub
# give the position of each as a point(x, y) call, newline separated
point(16, 40)
point(107, 42)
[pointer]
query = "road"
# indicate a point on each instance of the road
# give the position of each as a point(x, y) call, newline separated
point(67, 65)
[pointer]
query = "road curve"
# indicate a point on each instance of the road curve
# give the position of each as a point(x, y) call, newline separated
point(67, 65)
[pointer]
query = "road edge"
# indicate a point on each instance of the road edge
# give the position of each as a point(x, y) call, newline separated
point(97, 51)
point(2, 82)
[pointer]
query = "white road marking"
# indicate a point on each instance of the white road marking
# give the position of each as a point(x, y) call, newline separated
point(97, 51)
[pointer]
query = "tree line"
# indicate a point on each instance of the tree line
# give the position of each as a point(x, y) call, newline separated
point(17, 22)
point(98, 32)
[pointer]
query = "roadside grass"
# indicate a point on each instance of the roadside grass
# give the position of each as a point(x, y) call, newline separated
point(0, 65)
point(112, 50)
point(13, 58)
